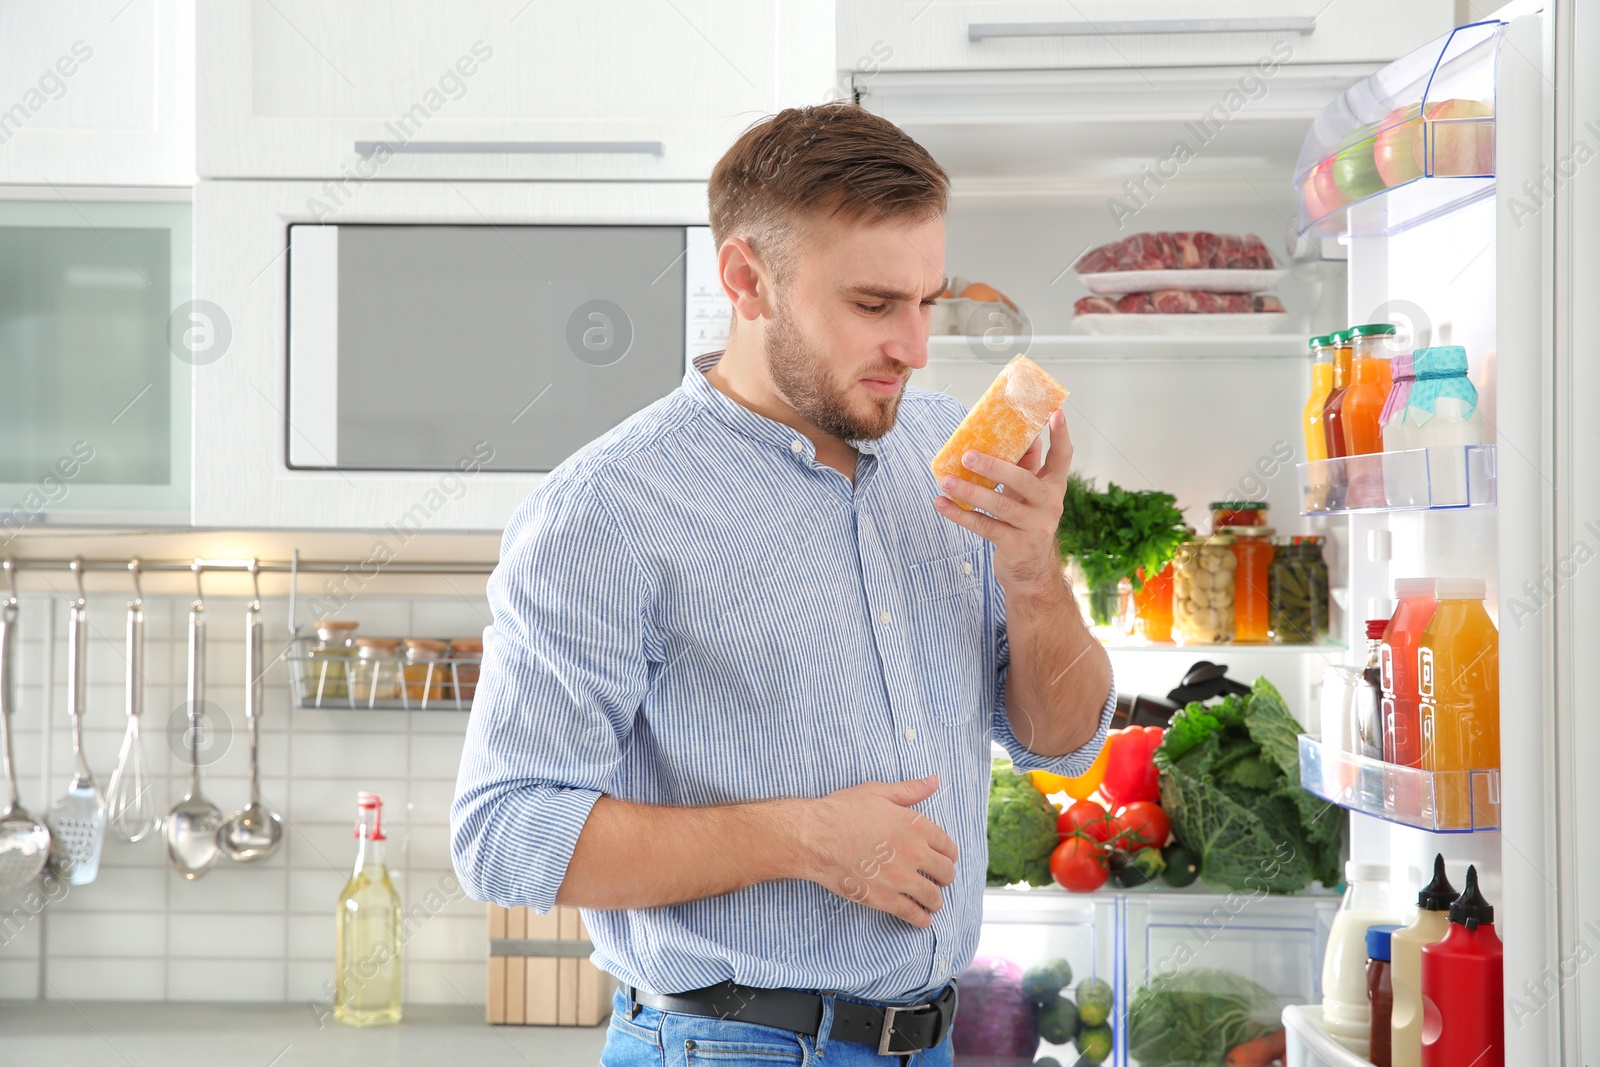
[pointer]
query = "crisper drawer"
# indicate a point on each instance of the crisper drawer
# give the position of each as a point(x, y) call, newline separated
point(1254, 953)
point(972, 35)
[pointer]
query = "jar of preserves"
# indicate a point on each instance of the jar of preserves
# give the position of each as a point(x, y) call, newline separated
point(1152, 607)
point(1203, 591)
point(424, 670)
point(328, 672)
point(1291, 618)
point(1253, 548)
point(1237, 513)
point(1317, 577)
point(465, 655)
point(375, 674)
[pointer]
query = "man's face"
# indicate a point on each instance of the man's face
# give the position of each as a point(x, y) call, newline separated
point(851, 322)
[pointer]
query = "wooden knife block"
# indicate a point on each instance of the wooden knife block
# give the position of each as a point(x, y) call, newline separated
point(539, 973)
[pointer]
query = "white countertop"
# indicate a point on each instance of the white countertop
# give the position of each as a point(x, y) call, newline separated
point(130, 1034)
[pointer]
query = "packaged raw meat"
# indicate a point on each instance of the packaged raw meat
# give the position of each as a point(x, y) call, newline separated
point(1178, 250)
point(1179, 302)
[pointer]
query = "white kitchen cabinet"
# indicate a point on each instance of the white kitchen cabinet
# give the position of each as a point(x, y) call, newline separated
point(497, 89)
point(242, 430)
point(902, 35)
point(97, 92)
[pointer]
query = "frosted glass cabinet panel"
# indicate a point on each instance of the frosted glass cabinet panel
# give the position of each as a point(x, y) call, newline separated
point(95, 360)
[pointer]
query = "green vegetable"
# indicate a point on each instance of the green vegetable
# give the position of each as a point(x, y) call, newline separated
point(1046, 1061)
point(1183, 865)
point(1192, 1018)
point(1022, 829)
point(1058, 1021)
point(1094, 1043)
point(1094, 1003)
point(1113, 534)
point(1230, 784)
point(1144, 866)
point(1043, 981)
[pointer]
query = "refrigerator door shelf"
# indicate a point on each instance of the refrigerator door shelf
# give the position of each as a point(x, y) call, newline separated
point(1410, 143)
point(1309, 1044)
point(1442, 802)
point(1441, 478)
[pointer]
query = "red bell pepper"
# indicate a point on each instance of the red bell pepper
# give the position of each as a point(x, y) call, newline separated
point(1130, 767)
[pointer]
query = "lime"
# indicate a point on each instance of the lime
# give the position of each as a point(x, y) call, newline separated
point(1042, 981)
point(1094, 1043)
point(1094, 1002)
point(1058, 1021)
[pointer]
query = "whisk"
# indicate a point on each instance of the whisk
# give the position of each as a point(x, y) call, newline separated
point(128, 802)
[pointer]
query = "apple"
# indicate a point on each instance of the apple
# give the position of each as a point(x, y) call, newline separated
point(1354, 171)
point(1395, 151)
point(1459, 147)
point(1324, 187)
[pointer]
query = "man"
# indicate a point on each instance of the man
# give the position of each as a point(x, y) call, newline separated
point(747, 657)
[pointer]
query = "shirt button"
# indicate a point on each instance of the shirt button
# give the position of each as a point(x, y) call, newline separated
point(911, 733)
point(883, 617)
point(966, 568)
point(796, 447)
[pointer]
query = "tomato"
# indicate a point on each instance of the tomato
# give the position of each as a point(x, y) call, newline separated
point(1079, 864)
point(1087, 817)
point(1141, 824)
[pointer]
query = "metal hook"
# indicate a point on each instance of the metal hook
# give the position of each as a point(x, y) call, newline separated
point(199, 594)
point(10, 566)
point(76, 567)
point(255, 581)
point(138, 590)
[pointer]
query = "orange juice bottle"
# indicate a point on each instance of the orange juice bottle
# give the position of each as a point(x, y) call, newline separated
point(1458, 690)
point(1321, 386)
point(1370, 382)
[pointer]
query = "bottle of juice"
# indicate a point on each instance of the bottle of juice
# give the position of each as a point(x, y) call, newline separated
point(367, 941)
point(1311, 420)
point(1405, 959)
point(1362, 409)
point(1458, 690)
point(1402, 734)
point(1333, 409)
point(1463, 988)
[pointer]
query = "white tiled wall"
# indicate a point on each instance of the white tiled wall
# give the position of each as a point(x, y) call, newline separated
point(260, 932)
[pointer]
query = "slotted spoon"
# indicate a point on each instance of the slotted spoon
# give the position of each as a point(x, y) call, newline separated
point(24, 841)
point(78, 819)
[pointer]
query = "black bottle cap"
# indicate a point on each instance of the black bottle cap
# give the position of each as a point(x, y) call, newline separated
point(1438, 894)
point(1470, 909)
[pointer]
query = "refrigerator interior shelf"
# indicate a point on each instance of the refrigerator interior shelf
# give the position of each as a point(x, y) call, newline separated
point(1412, 142)
point(1418, 479)
point(1124, 644)
point(1444, 802)
point(1149, 348)
point(1310, 1045)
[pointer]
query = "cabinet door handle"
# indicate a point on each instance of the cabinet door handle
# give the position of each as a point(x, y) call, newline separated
point(983, 31)
point(432, 148)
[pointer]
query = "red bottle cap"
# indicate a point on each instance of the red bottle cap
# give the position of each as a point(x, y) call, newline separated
point(369, 802)
point(1375, 628)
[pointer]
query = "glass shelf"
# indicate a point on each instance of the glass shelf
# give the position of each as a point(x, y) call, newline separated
point(1156, 348)
point(1130, 645)
point(1443, 802)
point(1410, 143)
point(1419, 479)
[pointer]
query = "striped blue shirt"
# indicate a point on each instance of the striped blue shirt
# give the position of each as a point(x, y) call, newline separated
point(693, 610)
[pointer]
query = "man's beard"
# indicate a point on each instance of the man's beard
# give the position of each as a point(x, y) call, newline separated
point(801, 377)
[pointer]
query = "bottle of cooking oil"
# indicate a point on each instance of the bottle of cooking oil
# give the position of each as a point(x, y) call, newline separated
point(367, 955)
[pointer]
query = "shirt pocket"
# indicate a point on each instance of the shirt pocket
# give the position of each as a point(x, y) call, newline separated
point(944, 597)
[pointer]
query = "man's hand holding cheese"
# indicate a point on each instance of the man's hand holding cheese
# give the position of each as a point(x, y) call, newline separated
point(749, 652)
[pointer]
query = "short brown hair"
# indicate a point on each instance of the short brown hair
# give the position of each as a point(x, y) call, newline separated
point(834, 159)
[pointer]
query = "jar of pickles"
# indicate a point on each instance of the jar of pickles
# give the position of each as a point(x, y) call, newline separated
point(375, 674)
point(465, 655)
point(425, 670)
point(1253, 548)
point(330, 660)
point(1297, 585)
point(1203, 591)
point(1317, 574)
point(1152, 607)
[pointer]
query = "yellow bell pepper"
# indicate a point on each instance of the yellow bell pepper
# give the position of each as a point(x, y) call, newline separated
point(1079, 788)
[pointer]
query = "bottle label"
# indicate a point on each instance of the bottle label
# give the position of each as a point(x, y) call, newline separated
point(1425, 673)
point(1386, 668)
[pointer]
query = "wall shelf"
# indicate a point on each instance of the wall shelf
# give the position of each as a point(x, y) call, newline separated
point(1442, 802)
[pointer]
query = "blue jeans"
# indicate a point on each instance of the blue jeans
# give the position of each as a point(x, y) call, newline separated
point(653, 1038)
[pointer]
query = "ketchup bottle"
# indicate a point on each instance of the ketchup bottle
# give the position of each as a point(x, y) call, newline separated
point(1463, 988)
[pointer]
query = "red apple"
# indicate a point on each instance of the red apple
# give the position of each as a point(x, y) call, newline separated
point(1395, 151)
point(1459, 147)
point(1327, 190)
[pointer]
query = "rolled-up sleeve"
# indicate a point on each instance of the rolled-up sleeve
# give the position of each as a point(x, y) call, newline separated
point(1023, 758)
point(565, 669)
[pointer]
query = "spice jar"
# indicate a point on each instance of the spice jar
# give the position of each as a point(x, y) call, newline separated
point(424, 670)
point(465, 655)
point(1152, 607)
point(1237, 513)
point(1202, 591)
point(330, 656)
point(375, 674)
point(1290, 619)
point(1253, 548)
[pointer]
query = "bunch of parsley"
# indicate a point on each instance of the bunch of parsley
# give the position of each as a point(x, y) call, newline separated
point(1112, 534)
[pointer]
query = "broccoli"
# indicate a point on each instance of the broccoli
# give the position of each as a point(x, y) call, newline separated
point(1022, 829)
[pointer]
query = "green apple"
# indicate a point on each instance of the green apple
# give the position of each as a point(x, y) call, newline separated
point(1354, 170)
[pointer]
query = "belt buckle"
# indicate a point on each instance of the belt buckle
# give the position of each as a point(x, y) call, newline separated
point(888, 1026)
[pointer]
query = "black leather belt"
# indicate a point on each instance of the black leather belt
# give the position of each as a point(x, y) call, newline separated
point(891, 1028)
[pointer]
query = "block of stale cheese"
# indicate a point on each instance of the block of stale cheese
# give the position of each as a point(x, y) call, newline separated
point(1004, 421)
